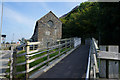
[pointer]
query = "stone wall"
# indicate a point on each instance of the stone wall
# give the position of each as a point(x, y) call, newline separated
point(47, 29)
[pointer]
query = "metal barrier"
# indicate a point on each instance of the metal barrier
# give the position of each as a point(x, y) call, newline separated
point(92, 68)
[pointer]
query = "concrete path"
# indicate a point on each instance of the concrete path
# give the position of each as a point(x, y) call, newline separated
point(73, 66)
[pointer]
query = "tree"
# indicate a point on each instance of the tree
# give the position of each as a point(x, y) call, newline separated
point(92, 19)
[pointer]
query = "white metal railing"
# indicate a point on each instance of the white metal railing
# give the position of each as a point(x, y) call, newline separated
point(92, 67)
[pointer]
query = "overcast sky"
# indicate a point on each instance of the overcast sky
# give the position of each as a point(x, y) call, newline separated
point(19, 18)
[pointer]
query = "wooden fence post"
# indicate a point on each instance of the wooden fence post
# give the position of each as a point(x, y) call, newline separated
point(47, 54)
point(14, 63)
point(102, 64)
point(109, 68)
point(59, 48)
point(27, 60)
point(66, 44)
point(102, 48)
point(11, 64)
point(33, 47)
point(113, 68)
point(74, 43)
point(70, 43)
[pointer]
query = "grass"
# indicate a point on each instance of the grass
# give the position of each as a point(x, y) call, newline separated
point(22, 59)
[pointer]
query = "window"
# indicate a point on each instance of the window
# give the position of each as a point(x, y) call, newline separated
point(47, 33)
point(50, 23)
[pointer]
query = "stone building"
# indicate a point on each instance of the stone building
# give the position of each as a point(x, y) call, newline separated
point(47, 29)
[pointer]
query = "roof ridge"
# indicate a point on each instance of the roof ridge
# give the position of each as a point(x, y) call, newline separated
point(47, 14)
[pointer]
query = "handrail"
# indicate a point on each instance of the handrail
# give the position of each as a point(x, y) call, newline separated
point(63, 39)
point(88, 66)
point(62, 46)
point(92, 67)
point(95, 44)
point(33, 43)
point(95, 55)
point(56, 49)
point(95, 47)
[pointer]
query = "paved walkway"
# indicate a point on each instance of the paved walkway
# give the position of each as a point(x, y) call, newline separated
point(73, 66)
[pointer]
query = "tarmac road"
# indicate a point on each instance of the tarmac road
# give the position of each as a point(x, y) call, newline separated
point(73, 66)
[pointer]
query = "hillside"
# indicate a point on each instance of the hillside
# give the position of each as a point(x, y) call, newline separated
point(92, 19)
point(70, 11)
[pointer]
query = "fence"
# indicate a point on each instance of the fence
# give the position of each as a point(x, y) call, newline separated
point(7, 46)
point(109, 57)
point(4, 60)
point(23, 64)
point(77, 41)
point(92, 68)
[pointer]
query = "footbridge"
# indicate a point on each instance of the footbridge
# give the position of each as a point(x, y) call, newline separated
point(64, 59)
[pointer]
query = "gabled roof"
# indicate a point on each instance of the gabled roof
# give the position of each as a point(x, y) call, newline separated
point(41, 18)
point(48, 13)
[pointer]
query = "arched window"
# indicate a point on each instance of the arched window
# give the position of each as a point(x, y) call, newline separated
point(50, 23)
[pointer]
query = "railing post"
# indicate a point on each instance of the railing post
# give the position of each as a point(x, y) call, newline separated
point(59, 48)
point(94, 70)
point(70, 43)
point(27, 60)
point(47, 54)
point(66, 44)
point(14, 63)
point(33, 47)
point(11, 64)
